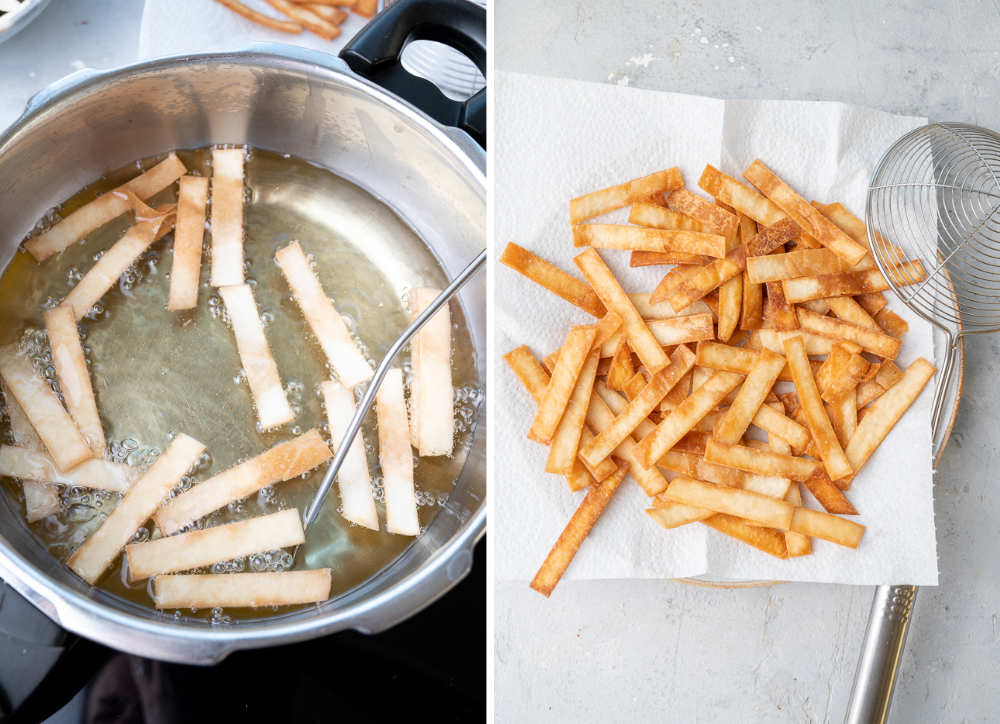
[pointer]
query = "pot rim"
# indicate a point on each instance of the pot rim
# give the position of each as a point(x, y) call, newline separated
point(118, 627)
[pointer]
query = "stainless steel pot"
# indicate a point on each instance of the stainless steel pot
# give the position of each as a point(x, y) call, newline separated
point(312, 106)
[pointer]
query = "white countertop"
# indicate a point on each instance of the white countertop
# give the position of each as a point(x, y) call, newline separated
point(662, 651)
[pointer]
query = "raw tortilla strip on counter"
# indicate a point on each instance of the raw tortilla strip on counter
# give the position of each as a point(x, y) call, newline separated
point(213, 590)
point(395, 456)
point(255, 355)
point(197, 548)
point(227, 216)
point(104, 208)
point(431, 393)
point(334, 337)
point(73, 375)
point(357, 498)
point(91, 559)
point(50, 420)
point(282, 462)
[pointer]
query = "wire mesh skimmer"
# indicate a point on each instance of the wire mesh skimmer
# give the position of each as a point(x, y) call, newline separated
point(935, 198)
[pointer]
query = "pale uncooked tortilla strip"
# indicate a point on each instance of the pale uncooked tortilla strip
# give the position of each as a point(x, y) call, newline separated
point(282, 462)
point(615, 197)
point(326, 323)
point(37, 466)
point(112, 264)
point(104, 208)
point(255, 355)
point(357, 499)
point(40, 499)
point(20, 427)
point(53, 424)
point(395, 457)
point(91, 559)
point(74, 379)
point(241, 590)
point(432, 400)
point(197, 548)
point(227, 216)
point(189, 233)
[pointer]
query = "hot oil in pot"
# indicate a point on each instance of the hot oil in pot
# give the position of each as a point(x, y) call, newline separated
point(157, 373)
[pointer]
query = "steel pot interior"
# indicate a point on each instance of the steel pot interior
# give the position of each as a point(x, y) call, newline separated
point(309, 106)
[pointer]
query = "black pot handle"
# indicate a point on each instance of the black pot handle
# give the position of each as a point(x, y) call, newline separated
point(375, 51)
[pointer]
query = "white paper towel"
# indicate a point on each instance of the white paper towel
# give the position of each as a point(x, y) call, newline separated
point(557, 139)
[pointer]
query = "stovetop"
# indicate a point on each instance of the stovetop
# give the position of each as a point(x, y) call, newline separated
point(430, 666)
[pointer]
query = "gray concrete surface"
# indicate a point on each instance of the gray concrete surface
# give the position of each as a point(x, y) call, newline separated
point(662, 651)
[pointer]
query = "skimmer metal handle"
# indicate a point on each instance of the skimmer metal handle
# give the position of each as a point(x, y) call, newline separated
point(885, 639)
point(934, 198)
point(383, 368)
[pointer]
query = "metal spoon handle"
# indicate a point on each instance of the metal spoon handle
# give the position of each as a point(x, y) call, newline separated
point(883, 648)
point(366, 402)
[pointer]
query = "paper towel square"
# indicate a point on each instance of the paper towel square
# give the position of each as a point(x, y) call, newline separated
point(556, 139)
